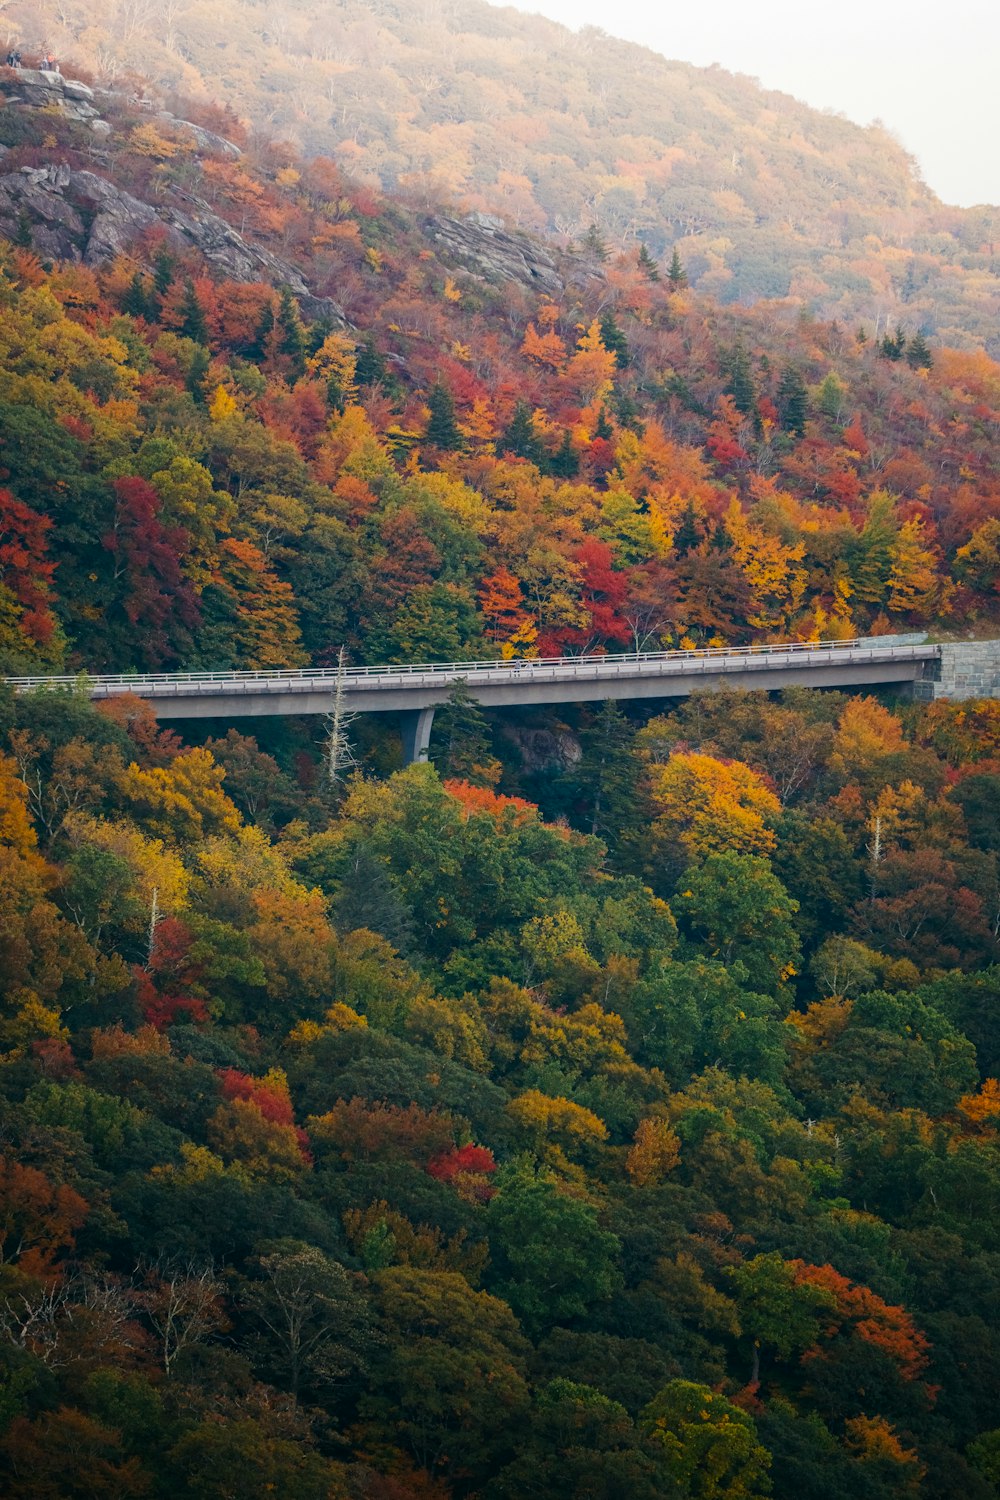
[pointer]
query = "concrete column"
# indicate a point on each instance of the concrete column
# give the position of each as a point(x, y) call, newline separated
point(416, 727)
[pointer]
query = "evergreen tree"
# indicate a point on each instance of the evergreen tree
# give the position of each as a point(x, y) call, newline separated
point(918, 354)
point(594, 242)
point(442, 428)
point(22, 234)
point(688, 533)
point(677, 276)
point(369, 897)
point(163, 272)
point(564, 463)
point(647, 265)
point(259, 344)
point(603, 428)
point(893, 345)
point(139, 301)
point(614, 340)
point(193, 323)
point(460, 742)
point(195, 378)
point(607, 776)
point(521, 438)
point(292, 342)
point(740, 384)
point(793, 402)
point(370, 367)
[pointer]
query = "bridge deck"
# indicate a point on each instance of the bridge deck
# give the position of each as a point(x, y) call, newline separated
point(386, 689)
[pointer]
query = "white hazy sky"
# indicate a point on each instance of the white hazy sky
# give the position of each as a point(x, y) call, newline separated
point(927, 68)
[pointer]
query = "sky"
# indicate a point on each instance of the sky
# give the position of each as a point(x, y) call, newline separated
point(927, 70)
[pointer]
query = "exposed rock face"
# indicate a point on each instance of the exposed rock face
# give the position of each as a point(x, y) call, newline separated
point(37, 90)
point(83, 217)
point(549, 751)
point(485, 248)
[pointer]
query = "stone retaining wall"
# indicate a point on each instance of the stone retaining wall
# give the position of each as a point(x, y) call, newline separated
point(968, 670)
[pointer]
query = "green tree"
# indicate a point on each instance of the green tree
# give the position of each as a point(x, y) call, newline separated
point(552, 1261)
point(777, 1311)
point(521, 437)
point(607, 776)
point(793, 401)
point(736, 907)
point(712, 1446)
point(449, 1380)
point(676, 276)
point(461, 739)
point(647, 265)
point(442, 425)
point(313, 1320)
point(193, 324)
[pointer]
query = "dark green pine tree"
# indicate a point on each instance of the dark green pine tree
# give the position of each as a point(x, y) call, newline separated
point(442, 427)
point(614, 340)
point(292, 340)
point(676, 276)
point(164, 266)
point(370, 368)
point(521, 437)
point(564, 463)
point(603, 428)
point(740, 384)
point(193, 322)
point(647, 265)
point(893, 345)
point(594, 242)
point(369, 897)
point(918, 353)
point(793, 401)
point(139, 300)
point(461, 740)
point(259, 346)
point(688, 533)
point(607, 776)
point(22, 234)
point(194, 381)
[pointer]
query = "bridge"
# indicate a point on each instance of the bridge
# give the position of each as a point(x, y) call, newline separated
point(413, 692)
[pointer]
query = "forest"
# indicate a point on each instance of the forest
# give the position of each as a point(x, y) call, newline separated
point(510, 114)
point(621, 1121)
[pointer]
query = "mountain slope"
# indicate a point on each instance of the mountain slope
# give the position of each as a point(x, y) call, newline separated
point(504, 112)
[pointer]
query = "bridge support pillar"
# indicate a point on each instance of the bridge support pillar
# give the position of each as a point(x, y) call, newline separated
point(416, 727)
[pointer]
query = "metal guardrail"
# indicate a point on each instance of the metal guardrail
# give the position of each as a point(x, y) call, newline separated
point(162, 684)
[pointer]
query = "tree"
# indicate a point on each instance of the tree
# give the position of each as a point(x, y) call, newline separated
point(707, 805)
point(793, 403)
point(738, 909)
point(313, 1319)
point(521, 437)
point(676, 275)
point(647, 265)
point(711, 1444)
point(460, 745)
point(193, 323)
point(449, 1380)
point(607, 776)
point(442, 426)
point(552, 1262)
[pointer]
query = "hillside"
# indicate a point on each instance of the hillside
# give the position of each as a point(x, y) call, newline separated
point(608, 1108)
point(390, 438)
point(502, 112)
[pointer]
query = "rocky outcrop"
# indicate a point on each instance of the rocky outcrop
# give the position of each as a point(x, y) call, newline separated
point(37, 90)
point(544, 751)
point(81, 216)
point(485, 248)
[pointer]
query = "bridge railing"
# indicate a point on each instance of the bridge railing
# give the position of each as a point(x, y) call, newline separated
point(568, 665)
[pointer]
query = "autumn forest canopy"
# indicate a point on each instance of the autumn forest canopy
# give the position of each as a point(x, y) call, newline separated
point(609, 1107)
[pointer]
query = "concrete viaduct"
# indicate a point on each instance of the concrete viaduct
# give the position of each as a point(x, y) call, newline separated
point(413, 692)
